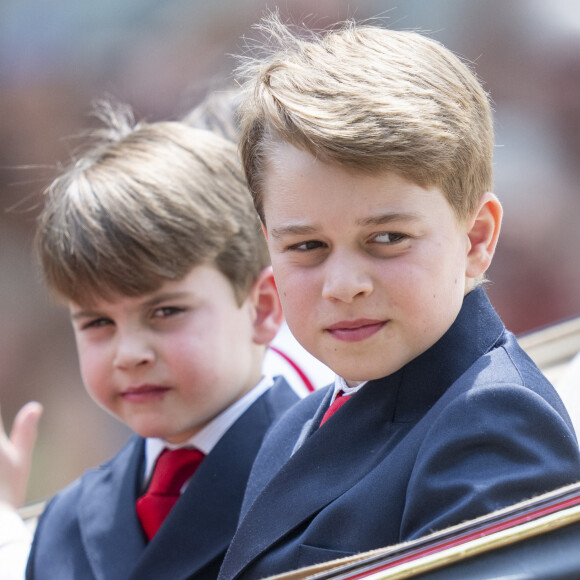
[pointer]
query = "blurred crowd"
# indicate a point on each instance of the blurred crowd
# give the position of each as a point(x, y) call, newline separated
point(56, 57)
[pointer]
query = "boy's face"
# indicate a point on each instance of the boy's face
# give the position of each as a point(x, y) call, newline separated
point(168, 362)
point(370, 269)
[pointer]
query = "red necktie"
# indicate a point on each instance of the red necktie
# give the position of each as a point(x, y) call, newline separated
point(172, 470)
point(338, 402)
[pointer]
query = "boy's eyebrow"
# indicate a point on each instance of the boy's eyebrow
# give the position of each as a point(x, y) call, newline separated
point(388, 217)
point(374, 220)
point(165, 296)
point(83, 314)
point(293, 229)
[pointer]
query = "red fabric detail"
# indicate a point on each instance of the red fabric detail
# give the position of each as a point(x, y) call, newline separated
point(309, 386)
point(340, 400)
point(172, 470)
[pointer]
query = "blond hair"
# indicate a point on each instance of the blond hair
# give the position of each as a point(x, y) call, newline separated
point(145, 204)
point(370, 99)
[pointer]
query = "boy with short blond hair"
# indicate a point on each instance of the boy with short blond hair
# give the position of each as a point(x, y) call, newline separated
point(151, 240)
point(369, 156)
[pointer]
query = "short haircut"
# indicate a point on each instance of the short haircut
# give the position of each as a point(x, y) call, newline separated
point(145, 204)
point(370, 99)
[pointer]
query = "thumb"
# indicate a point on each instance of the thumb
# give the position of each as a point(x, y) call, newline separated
point(25, 429)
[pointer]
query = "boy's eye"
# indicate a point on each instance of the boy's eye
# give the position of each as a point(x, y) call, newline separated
point(388, 237)
point(167, 311)
point(96, 323)
point(306, 246)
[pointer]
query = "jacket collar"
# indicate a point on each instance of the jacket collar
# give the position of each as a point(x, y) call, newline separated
point(474, 332)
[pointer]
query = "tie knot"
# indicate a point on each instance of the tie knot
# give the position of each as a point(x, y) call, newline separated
point(338, 402)
point(173, 469)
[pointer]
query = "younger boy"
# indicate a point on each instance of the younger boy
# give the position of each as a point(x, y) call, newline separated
point(369, 156)
point(152, 241)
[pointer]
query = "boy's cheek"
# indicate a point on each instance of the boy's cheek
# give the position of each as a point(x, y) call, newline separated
point(91, 368)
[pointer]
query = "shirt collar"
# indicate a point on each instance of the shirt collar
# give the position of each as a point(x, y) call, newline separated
point(340, 385)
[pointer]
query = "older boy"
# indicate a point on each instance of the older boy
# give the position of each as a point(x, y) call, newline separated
point(369, 156)
point(152, 241)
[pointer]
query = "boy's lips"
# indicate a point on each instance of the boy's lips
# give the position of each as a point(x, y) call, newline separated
point(355, 330)
point(144, 393)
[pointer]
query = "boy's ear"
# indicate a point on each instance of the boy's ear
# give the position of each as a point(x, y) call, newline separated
point(483, 233)
point(269, 316)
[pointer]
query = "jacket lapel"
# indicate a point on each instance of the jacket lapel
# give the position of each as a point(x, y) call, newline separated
point(108, 523)
point(311, 426)
point(275, 451)
point(296, 492)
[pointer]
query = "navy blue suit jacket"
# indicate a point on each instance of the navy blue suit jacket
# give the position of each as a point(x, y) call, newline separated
point(469, 426)
point(90, 530)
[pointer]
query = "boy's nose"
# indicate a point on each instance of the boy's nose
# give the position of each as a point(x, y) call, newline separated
point(345, 280)
point(133, 351)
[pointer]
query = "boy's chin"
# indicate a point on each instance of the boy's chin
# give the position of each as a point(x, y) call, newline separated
point(353, 377)
point(173, 437)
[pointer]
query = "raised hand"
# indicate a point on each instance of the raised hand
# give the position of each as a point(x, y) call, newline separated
point(16, 454)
